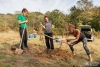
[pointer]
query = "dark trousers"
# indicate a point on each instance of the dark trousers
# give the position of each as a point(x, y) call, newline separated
point(49, 41)
point(84, 41)
point(24, 39)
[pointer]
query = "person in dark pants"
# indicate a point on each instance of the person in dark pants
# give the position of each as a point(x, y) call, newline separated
point(80, 37)
point(47, 26)
point(23, 27)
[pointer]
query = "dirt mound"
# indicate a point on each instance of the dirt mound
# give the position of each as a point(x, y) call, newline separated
point(13, 47)
point(56, 54)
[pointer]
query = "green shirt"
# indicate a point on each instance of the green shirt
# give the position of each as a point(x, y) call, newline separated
point(22, 19)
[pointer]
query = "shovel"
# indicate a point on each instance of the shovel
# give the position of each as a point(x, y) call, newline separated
point(56, 39)
point(19, 50)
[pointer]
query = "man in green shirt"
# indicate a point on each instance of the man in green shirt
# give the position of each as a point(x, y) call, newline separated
point(23, 27)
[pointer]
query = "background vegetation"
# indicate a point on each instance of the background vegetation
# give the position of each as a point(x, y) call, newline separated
point(83, 13)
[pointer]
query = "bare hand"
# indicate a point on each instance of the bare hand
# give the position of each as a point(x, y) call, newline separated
point(26, 21)
point(63, 39)
point(69, 43)
point(42, 25)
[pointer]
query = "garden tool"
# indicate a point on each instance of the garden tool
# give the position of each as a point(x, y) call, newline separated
point(19, 50)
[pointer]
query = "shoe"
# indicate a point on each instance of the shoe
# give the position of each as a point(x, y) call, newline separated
point(52, 48)
point(26, 46)
point(47, 50)
point(22, 48)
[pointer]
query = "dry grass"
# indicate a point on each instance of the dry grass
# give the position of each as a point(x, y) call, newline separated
point(8, 59)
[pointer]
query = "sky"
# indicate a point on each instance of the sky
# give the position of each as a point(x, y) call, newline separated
point(10, 6)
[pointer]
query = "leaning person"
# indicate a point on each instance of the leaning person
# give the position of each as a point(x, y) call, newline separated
point(80, 37)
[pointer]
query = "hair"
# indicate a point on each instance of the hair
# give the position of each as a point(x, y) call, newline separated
point(45, 16)
point(24, 10)
point(71, 26)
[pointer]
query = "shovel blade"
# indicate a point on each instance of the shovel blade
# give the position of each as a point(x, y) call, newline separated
point(18, 51)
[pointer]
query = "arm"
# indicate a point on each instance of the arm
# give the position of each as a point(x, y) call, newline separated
point(42, 26)
point(66, 37)
point(52, 26)
point(19, 22)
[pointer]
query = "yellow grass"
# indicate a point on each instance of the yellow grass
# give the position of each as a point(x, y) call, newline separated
point(10, 38)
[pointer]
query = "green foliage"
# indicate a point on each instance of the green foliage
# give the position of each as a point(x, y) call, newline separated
point(83, 13)
point(74, 16)
point(84, 4)
point(58, 19)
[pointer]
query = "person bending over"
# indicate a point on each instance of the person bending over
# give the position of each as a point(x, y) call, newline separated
point(80, 37)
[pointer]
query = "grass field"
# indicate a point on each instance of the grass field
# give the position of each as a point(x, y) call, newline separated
point(60, 57)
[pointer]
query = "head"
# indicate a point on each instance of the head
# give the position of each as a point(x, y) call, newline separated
point(46, 18)
point(24, 11)
point(71, 28)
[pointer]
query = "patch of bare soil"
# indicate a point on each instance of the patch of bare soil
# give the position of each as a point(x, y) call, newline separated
point(56, 54)
point(40, 52)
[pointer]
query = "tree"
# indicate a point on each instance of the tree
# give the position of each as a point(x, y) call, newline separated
point(95, 22)
point(58, 19)
point(74, 15)
point(84, 4)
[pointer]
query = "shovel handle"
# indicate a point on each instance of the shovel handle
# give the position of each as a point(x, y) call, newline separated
point(57, 40)
point(22, 37)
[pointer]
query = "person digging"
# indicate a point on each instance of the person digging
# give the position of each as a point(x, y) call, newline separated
point(47, 26)
point(80, 37)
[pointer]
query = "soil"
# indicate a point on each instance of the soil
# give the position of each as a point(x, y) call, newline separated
point(35, 50)
point(41, 52)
